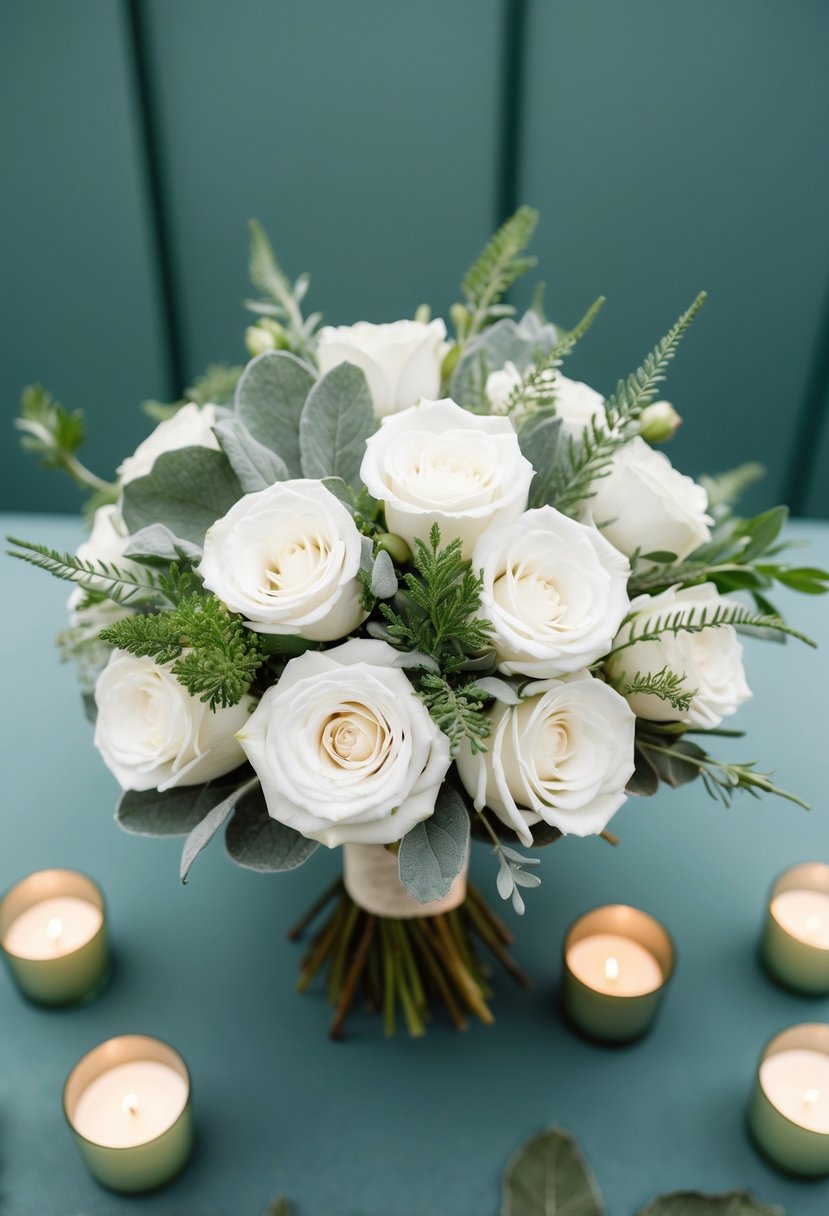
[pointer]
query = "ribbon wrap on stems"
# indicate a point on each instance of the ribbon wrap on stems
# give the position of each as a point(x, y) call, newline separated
point(372, 879)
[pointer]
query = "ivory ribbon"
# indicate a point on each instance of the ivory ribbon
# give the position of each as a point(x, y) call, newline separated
point(372, 880)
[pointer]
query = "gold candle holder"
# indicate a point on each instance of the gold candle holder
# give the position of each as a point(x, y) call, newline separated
point(789, 1110)
point(795, 947)
point(617, 962)
point(128, 1104)
point(53, 937)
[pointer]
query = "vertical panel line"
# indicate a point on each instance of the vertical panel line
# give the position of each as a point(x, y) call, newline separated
point(814, 416)
point(510, 136)
point(150, 136)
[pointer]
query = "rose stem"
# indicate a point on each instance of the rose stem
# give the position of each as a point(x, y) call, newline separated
point(501, 930)
point(470, 990)
point(424, 948)
point(323, 948)
point(414, 1025)
point(610, 838)
point(372, 977)
point(388, 981)
point(316, 907)
point(353, 974)
point(464, 945)
point(490, 938)
point(335, 976)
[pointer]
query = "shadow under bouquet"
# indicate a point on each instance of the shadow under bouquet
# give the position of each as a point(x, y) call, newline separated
point(383, 589)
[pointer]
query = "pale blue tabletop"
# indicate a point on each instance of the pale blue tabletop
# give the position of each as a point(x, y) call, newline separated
point(370, 1127)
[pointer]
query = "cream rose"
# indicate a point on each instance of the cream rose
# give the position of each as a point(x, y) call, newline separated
point(344, 749)
point(555, 591)
point(563, 755)
point(189, 427)
point(576, 404)
point(286, 558)
point(645, 504)
point(711, 661)
point(401, 361)
point(438, 464)
point(153, 734)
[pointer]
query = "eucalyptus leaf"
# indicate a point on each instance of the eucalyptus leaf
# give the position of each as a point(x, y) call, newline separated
point(539, 441)
point(645, 778)
point(187, 491)
point(336, 421)
point(548, 1176)
point(383, 578)
point(544, 834)
point(213, 821)
point(673, 769)
point(256, 466)
point(519, 342)
point(415, 659)
point(494, 686)
point(433, 852)
point(288, 644)
point(257, 842)
point(173, 812)
point(158, 543)
point(692, 1203)
point(269, 399)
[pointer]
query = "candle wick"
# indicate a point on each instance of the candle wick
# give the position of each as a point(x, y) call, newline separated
point(811, 1096)
point(611, 968)
point(129, 1104)
point(54, 929)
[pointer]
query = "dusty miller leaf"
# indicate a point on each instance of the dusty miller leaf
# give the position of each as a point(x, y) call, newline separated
point(187, 491)
point(433, 852)
point(257, 842)
point(174, 812)
point(336, 421)
point(213, 821)
point(256, 466)
point(269, 399)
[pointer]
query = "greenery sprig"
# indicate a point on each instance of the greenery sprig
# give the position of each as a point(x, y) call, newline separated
point(54, 434)
point(282, 299)
point(536, 395)
point(127, 585)
point(497, 267)
point(665, 684)
point(678, 761)
point(649, 629)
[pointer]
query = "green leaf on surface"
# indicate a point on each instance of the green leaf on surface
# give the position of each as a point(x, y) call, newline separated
point(433, 852)
point(548, 1176)
point(257, 842)
point(692, 1203)
point(336, 421)
point(256, 466)
point(269, 399)
point(279, 1207)
point(187, 491)
point(214, 821)
point(173, 812)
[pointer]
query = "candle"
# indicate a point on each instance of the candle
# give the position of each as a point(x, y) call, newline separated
point(128, 1105)
point(795, 945)
point(53, 937)
point(617, 961)
point(789, 1111)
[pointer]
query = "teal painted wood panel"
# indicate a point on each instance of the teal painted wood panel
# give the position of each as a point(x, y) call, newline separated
point(79, 309)
point(363, 136)
point(673, 147)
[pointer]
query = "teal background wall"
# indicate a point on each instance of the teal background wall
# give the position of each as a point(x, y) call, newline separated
point(669, 147)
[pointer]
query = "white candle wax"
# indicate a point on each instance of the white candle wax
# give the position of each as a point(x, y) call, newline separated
point(52, 928)
point(130, 1104)
point(797, 1083)
point(805, 915)
point(615, 965)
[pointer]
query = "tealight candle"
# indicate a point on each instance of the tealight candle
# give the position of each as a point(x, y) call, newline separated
point(617, 961)
point(789, 1111)
point(53, 937)
point(796, 935)
point(128, 1104)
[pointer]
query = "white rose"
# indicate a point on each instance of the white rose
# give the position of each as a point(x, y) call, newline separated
point(555, 591)
point(438, 464)
point(711, 661)
point(189, 427)
point(576, 404)
point(344, 749)
point(107, 542)
point(153, 734)
point(645, 504)
point(286, 558)
point(401, 361)
point(563, 755)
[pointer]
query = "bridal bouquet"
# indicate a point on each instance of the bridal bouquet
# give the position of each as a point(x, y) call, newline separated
point(383, 588)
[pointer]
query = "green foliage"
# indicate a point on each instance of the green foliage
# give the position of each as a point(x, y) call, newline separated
point(433, 852)
point(215, 386)
point(335, 423)
point(497, 267)
point(257, 842)
point(54, 434)
point(726, 489)
point(128, 585)
point(678, 761)
point(536, 392)
point(680, 620)
point(521, 342)
point(281, 298)
point(457, 709)
point(213, 822)
point(256, 466)
point(187, 490)
point(591, 459)
point(213, 655)
point(174, 812)
point(692, 1203)
point(270, 396)
point(665, 684)
point(548, 1174)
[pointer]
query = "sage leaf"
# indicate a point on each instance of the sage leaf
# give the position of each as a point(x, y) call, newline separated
point(256, 466)
point(172, 812)
point(213, 821)
point(433, 852)
point(493, 686)
point(692, 1203)
point(548, 1176)
point(539, 442)
point(158, 543)
point(336, 421)
point(187, 491)
point(383, 578)
point(269, 399)
point(673, 769)
point(257, 842)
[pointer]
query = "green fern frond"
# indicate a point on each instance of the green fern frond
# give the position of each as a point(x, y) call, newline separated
point(282, 299)
point(123, 585)
point(665, 684)
point(650, 629)
point(497, 267)
point(457, 711)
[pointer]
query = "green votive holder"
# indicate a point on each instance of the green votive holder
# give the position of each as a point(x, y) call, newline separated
point(788, 1116)
point(128, 1105)
point(53, 937)
point(795, 945)
point(617, 963)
